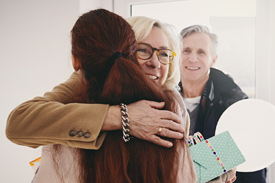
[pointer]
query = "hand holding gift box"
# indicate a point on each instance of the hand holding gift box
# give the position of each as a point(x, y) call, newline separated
point(214, 156)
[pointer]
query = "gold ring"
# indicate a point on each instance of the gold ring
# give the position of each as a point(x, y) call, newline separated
point(159, 130)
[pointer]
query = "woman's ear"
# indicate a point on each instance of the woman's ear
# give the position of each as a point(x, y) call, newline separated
point(76, 63)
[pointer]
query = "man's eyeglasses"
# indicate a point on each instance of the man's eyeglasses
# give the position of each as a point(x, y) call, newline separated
point(146, 51)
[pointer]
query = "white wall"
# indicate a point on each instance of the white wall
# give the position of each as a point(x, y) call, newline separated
point(86, 5)
point(265, 50)
point(34, 57)
point(265, 82)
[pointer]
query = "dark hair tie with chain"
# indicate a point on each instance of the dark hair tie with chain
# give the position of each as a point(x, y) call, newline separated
point(116, 55)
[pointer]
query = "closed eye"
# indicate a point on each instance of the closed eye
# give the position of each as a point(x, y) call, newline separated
point(143, 50)
point(201, 52)
point(163, 54)
point(186, 51)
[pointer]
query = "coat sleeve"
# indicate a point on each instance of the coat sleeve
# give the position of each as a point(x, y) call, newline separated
point(52, 119)
point(183, 112)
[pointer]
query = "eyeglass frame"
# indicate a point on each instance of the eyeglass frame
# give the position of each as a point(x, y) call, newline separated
point(156, 49)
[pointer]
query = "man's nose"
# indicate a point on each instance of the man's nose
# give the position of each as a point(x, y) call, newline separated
point(193, 57)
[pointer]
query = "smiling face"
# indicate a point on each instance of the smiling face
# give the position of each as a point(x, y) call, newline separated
point(197, 58)
point(152, 67)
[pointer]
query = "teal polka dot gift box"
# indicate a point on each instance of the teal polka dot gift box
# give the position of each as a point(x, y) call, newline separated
point(214, 156)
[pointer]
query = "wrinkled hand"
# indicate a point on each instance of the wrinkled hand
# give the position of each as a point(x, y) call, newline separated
point(231, 175)
point(146, 118)
point(228, 177)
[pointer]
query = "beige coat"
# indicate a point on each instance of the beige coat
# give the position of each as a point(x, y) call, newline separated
point(49, 119)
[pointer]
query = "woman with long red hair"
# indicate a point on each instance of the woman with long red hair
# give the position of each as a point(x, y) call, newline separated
point(105, 52)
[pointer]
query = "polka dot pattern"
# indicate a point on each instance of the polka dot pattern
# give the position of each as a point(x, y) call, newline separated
point(214, 156)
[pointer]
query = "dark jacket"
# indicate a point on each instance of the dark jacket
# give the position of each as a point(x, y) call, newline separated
point(226, 93)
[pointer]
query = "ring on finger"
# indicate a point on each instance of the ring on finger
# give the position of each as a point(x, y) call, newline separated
point(160, 128)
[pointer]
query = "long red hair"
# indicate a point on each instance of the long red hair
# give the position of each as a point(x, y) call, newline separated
point(96, 36)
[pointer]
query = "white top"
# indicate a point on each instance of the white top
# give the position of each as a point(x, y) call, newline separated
point(191, 103)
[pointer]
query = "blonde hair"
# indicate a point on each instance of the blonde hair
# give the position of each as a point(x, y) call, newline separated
point(143, 26)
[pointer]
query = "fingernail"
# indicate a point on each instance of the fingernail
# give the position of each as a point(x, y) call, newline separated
point(180, 135)
point(170, 144)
